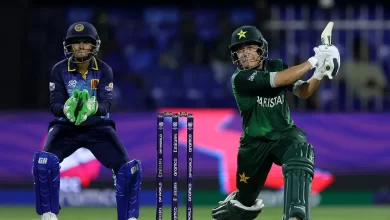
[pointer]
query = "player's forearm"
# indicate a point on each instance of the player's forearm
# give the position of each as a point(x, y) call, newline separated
point(291, 74)
point(307, 89)
point(57, 109)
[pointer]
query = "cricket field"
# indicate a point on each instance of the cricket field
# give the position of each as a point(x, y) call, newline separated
point(200, 213)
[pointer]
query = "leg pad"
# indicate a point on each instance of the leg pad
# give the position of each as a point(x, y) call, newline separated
point(128, 187)
point(298, 172)
point(46, 172)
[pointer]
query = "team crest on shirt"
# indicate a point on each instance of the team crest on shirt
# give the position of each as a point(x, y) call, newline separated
point(94, 83)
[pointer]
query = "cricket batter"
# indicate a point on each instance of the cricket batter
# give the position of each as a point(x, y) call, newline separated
point(80, 98)
point(269, 134)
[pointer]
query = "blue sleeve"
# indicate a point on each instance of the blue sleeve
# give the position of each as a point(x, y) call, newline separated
point(104, 92)
point(58, 94)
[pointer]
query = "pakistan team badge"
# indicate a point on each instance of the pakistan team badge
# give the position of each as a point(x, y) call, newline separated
point(241, 34)
point(243, 178)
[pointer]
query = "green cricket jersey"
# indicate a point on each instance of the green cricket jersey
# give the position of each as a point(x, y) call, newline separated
point(263, 108)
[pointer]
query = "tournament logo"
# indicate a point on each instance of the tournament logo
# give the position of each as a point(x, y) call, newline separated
point(79, 27)
point(72, 84)
point(94, 83)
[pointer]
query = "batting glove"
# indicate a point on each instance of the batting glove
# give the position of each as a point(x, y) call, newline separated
point(328, 61)
point(70, 106)
point(328, 67)
point(89, 107)
point(321, 53)
point(324, 51)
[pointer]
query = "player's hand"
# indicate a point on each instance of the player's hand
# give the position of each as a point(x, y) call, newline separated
point(324, 51)
point(321, 53)
point(328, 59)
point(328, 67)
point(89, 107)
point(70, 106)
point(333, 63)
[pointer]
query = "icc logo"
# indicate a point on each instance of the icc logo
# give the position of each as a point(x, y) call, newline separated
point(72, 84)
point(189, 125)
point(174, 124)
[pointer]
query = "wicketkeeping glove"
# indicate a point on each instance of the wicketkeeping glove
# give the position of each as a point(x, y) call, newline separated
point(70, 105)
point(89, 107)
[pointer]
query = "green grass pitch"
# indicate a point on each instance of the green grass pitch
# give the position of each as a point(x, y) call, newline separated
point(201, 213)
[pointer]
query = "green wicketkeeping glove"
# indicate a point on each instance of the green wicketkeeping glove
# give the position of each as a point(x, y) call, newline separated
point(70, 105)
point(89, 107)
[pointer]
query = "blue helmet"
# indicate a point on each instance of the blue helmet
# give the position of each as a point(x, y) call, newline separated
point(77, 31)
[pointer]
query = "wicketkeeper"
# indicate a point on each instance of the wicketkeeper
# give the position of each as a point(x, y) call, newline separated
point(80, 98)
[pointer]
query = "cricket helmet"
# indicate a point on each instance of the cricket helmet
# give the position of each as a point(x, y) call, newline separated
point(248, 35)
point(78, 31)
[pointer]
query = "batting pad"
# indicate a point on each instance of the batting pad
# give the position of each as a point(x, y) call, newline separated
point(298, 172)
point(46, 171)
point(128, 187)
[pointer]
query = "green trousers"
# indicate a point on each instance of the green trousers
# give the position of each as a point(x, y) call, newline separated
point(255, 158)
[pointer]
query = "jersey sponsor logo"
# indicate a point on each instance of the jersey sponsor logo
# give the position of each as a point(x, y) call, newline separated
point(270, 102)
point(94, 83)
point(52, 86)
point(110, 87)
point(252, 77)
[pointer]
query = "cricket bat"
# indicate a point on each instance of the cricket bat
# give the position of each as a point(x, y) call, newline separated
point(326, 39)
point(326, 36)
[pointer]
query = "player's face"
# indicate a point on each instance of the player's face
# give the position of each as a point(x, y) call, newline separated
point(81, 47)
point(248, 56)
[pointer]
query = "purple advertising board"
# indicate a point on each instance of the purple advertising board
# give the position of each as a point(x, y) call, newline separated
point(344, 143)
